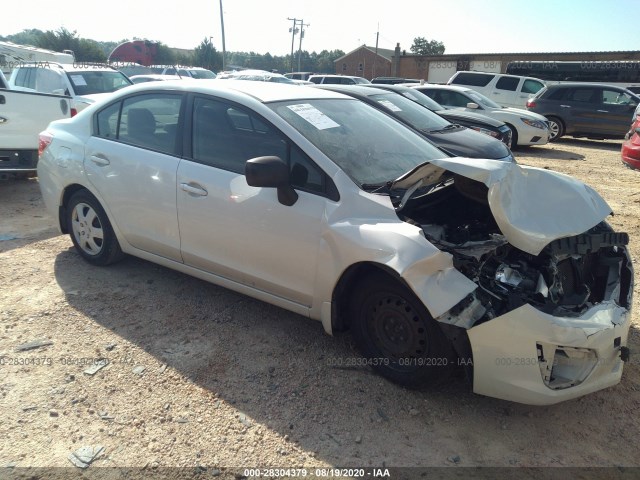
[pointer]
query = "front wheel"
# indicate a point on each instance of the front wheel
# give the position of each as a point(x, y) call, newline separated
point(396, 334)
point(91, 231)
point(514, 136)
point(556, 128)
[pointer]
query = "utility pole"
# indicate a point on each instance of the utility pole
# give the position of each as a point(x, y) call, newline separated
point(302, 25)
point(293, 31)
point(375, 60)
point(224, 49)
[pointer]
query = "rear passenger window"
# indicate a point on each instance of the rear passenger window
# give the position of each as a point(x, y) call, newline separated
point(148, 121)
point(586, 95)
point(508, 83)
point(473, 79)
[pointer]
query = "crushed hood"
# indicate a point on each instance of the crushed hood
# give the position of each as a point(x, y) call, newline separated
point(531, 206)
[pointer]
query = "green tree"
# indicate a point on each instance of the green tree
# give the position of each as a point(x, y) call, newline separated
point(25, 37)
point(422, 46)
point(206, 56)
point(164, 55)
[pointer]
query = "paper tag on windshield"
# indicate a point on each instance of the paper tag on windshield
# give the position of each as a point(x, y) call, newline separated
point(78, 80)
point(390, 105)
point(314, 116)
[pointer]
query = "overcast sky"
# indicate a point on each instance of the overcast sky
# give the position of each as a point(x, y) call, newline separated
point(464, 26)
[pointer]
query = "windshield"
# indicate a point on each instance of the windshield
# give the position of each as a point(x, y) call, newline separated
point(368, 145)
point(410, 112)
point(92, 81)
point(360, 80)
point(202, 74)
point(482, 100)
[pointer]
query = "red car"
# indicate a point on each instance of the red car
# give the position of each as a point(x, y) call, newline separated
point(631, 147)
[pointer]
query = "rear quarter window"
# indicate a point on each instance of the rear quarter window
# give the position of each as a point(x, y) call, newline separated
point(472, 79)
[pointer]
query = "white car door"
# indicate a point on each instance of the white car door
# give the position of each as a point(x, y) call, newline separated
point(131, 162)
point(239, 232)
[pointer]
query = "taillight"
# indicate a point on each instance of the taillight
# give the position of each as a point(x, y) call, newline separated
point(44, 139)
point(74, 112)
point(531, 104)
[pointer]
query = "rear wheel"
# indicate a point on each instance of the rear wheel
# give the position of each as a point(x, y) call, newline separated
point(396, 334)
point(91, 231)
point(556, 128)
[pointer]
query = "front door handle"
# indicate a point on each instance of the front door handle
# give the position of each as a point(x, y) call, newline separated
point(602, 111)
point(194, 189)
point(100, 160)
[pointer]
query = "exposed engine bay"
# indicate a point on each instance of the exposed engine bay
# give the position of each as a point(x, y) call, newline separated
point(569, 276)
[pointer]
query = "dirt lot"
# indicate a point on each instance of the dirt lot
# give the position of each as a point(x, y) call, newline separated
point(199, 376)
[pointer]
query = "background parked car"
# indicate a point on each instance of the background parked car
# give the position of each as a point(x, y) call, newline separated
point(527, 128)
point(505, 90)
point(479, 123)
point(198, 73)
point(154, 77)
point(455, 140)
point(337, 79)
point(394, 80)
point(258, 76)
point(631, 147)
point(85, 83)
point(591, 110)
point(298, 75)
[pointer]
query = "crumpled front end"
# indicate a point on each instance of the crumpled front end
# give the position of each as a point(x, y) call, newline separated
point(549, 317)
point(535, 358)
point(549, 327)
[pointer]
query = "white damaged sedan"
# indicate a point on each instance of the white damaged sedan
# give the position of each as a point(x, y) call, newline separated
point(327, 207)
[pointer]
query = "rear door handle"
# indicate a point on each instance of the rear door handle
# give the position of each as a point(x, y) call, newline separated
point(194, 189)
point(2, 100)
point(565, 106)
point(100, 160)
point(602, 111)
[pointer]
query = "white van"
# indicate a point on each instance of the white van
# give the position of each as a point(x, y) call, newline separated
point(505, 90)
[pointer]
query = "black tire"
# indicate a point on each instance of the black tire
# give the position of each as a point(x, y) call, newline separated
point(395, 333)
point(91, 231)
point(556, 128)
point(514, 137)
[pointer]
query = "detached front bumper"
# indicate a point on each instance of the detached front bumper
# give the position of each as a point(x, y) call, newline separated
point(531, 357)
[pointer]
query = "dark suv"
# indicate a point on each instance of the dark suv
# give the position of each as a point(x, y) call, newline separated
point(589, 110)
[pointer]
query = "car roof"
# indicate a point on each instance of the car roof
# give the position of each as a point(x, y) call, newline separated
point(335, 76)
point(264, 92)
point(585, 84)
point(442, 87)
point(359, 90)
point(71, 67)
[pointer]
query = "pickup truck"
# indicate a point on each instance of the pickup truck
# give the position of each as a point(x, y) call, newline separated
point(23, 115)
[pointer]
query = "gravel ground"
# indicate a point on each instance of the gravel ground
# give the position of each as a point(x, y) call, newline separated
point(199, 376)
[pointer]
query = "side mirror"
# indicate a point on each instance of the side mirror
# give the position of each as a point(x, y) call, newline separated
point(473, 105)
point(637, 130)
point(271, 172)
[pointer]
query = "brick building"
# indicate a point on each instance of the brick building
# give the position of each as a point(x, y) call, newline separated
point(365, 62)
